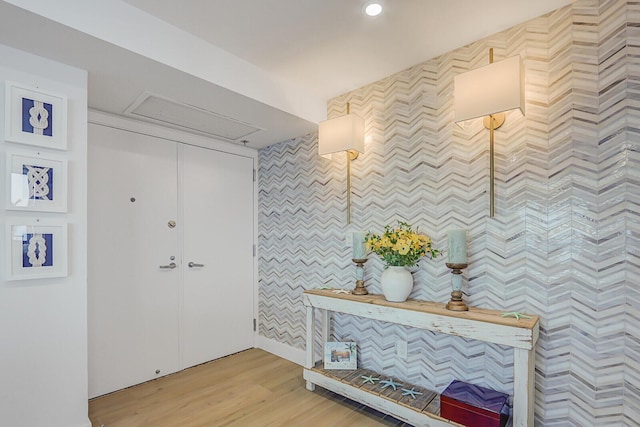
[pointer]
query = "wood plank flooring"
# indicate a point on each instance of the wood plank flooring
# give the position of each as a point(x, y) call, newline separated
point(249, 389)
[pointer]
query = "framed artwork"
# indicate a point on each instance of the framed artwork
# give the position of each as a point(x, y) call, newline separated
point(36, 182)
point(37, 249)
point(35, 117)
point(340, 355)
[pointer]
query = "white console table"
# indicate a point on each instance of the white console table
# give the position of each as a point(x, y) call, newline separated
point(477, 323)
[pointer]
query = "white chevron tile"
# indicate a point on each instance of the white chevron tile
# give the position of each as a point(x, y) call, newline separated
point(565, 240)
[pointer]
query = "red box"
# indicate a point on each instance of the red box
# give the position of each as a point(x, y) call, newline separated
point(474, 406)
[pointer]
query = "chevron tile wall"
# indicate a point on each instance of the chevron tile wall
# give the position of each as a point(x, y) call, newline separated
point(565, 241)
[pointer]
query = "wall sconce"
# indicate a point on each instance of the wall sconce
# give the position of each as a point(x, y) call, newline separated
point(346, 134)
point(490, 91)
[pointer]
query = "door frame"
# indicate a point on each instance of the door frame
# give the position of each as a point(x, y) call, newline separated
point(157, 131)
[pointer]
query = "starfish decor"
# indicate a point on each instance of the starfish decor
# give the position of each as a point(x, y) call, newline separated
point(411, 392)
point(369, 379)
point(516, 314)
point(341, 291)
point(390, 383)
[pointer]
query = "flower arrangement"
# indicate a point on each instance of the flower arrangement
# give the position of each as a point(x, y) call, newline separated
point(400, 246)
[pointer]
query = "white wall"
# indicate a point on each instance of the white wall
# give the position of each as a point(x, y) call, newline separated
point(43, 323)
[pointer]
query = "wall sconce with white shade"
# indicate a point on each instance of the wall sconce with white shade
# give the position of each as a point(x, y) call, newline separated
point(490, 91)
point(346, 134)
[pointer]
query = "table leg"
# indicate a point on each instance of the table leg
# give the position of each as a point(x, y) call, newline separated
point(523, 387)
point(310, 351)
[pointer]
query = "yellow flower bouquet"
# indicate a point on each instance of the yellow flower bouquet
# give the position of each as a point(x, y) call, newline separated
point(400, 246)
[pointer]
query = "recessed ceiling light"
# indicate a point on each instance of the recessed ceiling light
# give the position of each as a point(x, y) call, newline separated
point(373, 9)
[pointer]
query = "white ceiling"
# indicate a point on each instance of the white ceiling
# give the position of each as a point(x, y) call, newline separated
point(271, 64)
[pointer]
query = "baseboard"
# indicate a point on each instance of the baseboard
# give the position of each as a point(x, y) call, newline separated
point(285, 351)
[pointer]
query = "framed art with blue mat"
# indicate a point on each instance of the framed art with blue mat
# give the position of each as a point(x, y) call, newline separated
point(36, 182)
point(35, 117)
point(37, 249)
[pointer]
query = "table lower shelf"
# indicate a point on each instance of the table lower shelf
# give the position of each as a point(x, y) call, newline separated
point(422, 411)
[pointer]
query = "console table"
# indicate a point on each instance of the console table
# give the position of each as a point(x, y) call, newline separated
point(477, 323)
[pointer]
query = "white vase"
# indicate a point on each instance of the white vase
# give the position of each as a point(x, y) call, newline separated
point(397, 283)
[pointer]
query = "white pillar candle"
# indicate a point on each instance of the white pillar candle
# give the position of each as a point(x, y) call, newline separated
point(457, 246)
point(359, 248)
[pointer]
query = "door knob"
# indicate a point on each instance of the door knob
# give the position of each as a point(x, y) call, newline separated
point(171, 266)
point(193, 264)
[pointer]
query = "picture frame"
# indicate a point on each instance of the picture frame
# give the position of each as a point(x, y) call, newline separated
point(340, 355)
point(35, 117)
point(36, 249)
point(36, 182)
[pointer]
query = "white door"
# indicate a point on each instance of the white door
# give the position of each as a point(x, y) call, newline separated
point(133, 301)
point(217, 203)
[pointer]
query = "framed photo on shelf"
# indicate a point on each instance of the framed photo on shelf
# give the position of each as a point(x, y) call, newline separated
point(340, 355)
point(37, 249)
point(36, 182)
point(35, 117)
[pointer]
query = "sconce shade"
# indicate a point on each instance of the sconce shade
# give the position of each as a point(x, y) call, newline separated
point(491, 89)
point(341, 134)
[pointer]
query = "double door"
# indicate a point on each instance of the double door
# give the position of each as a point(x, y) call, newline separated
point(170, 256)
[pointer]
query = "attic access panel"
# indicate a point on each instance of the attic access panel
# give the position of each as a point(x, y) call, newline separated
point(188, 117)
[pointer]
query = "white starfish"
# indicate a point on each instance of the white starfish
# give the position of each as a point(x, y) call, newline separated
point(411, 392)
point(369, 379)
point(390, 383)
point(341, 291)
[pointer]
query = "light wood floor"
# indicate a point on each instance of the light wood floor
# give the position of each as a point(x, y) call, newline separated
point(249, 389)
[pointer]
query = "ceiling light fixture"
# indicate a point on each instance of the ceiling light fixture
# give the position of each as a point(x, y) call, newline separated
point(373, 8)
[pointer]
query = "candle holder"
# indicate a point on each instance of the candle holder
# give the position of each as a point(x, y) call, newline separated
point(456, 303)
point(360, 289)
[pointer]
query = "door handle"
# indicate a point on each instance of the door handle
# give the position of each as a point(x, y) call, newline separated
point(193, 264)
point(171, 266)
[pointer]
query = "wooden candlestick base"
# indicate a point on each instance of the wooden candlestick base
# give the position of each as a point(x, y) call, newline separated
point(360, 289)
point(456, 303)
